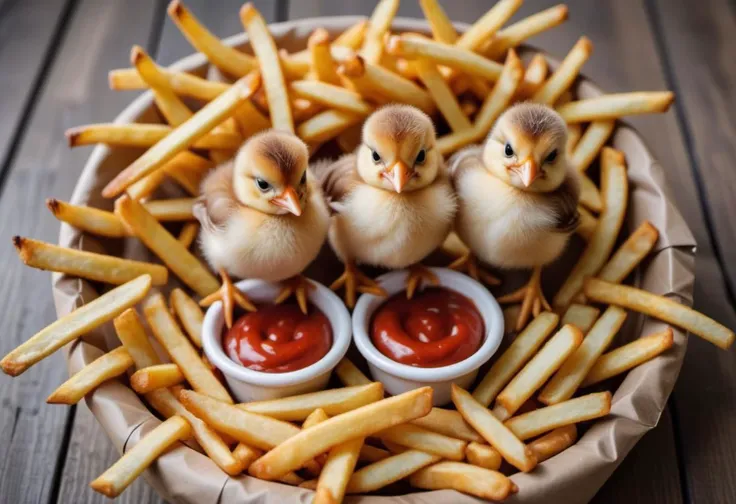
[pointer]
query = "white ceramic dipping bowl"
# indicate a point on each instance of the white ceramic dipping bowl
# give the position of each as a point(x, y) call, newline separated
point(398, 378)
point(248, 385)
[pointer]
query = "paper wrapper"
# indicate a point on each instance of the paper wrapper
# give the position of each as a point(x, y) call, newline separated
point(187, 476)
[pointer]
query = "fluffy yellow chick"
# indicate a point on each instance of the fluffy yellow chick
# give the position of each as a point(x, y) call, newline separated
point(262, 216)
point(393, 199)
point(517, 197)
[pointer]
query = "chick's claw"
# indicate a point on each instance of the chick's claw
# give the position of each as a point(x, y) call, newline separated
point(467, 263)
point(354, 281)
point(417, 274)
point(531, 298)
point(297, 286)
point(230, 296)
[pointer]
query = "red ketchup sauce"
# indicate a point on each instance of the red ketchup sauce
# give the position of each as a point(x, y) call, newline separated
point(279, 338)
point(437, 327)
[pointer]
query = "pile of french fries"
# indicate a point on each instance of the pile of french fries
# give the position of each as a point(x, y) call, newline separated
point(525, 410)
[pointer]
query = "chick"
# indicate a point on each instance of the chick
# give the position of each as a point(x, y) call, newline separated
point(518, 197)
point(393, 199)
point(262, 216)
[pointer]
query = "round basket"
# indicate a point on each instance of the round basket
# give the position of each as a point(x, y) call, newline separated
point(186, 475)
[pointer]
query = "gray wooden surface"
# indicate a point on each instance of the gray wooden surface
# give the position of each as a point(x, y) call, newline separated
point(54, 56)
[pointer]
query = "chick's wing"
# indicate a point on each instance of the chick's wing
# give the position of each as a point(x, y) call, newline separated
point(337, 179)
point(217, 200)
point(564, 204)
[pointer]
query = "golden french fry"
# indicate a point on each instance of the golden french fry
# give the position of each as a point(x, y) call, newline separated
point(332, 402)
point(378, 25)
point(418, 438)
point(189, 314)
point(493, 431)
point(323, 66)
point(591, 143)
point(439, 23)
point(555, 442)
point(534, 76)
point(186, 169)
point(354, 36)
point(351, 39)
point(581, 316)
point(361, 422)
point(588, 223)
point(168, 334)
point(372, 454)
point(442, 95)
point(566, 381)
point(338, 470)
point(250, 120)
point(91, 376)
point(133, 336)
point(615, 191)
point(350, 375)
point(327, 125)
point(91, 220)
point(187, 267)
point(465, 478)
point(448, 422)
point(538, 370)
point(185, 135)
point(483, 455)
point(74, 324)
point(524, 346)
point(487, 26)
point(314, 418)
point(245, 455)
point(154, 444)
point(630, 254)
point(574, 132)
point(660, 308)
point(268, 60)
point(188, 234)
point(182, 83)
point(224, 57)
point(143, 135)
point(331, 96)
point(562, 78)
point(576, 410)
point(172, 108)
point(526, 28)
point(628, 356)
point(590, 196)
point(389, 470)
point(614, 106)
point(167, 210)
point(155, 377)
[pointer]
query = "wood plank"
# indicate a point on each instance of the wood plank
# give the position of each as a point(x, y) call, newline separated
point(98, 38)
point(698, 48)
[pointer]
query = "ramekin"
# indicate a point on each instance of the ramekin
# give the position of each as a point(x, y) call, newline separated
point(398, 378)
point(249, 385)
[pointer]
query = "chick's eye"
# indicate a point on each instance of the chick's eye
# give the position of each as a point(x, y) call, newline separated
point(551, 157)
point(376, 157)
point(262, 184)
point(421, 157)
point(508, 151)
point(304, 179)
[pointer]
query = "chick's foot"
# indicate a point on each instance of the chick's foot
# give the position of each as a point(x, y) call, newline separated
point(354, 281)
point(230, 296)
point(468, 263)
point(417, 274)
point(297, 286)
point(531, 298)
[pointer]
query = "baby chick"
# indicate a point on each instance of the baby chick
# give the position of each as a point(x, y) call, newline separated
point(517, 197)
point(262, 216)
point(393, 199)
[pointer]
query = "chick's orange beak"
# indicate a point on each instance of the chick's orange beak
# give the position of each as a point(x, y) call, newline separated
point(289, 200)
point(398, 175)
point(529, 172)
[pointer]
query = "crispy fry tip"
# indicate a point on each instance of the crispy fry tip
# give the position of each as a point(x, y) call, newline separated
point(103, 487)
point(563, 12)
point(136, 54)
point(53, 205)
point(10, 367)
point(352, 67)
point(585, 44)
point(72, 136)
point(320, 36)
point(175, 9)
point(18, 242)
point(393, 45)
point(248, 12)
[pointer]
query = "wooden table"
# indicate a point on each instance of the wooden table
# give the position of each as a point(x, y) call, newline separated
point(54, 58)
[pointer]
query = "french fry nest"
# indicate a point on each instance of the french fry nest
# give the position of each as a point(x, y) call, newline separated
point(323, 93)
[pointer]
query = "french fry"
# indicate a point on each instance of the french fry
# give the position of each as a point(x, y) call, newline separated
point(566, 381)
point(224, 57)
point(169, 104)
point(304, 109)
point(182, 83)
point(389, 470)
point(84, 218)
point(155, 377)
point(483, 455)
point(327, 125)
point(378, 25)
point(323, 66)
point(465, 478)
point(142, 135)
point(245, 455)
point(332, 402)
point(615, 191)
point(448, 422)
point(250, 120)
point(314, 418)
point(372, 454)
point(354, 36)
point(268, 60)
point(347, 42)
point(91, 376)
point(439, 23)
point(630, 254)
point(361, 422)
point(487, 26)
point(591, 143)
point(590, 196)
point(185, 135)
point(186, 169)
point(574, 132)
point(660, 308)
point(188, 234)
point(331, 96)
point(71, 326)
point(154, 444)
point(526, 28)
point(538, 370)
point(133, 336)
point(493, 431)
point(629, 356)
point(168, 210)
point(555, 442)
point(534, 76)
point(419, 438)
point(562, 78)
point(189, 314)
point(164, 245)
point(524, 346)
point(614, 106)
point(581, 316)
point(349, 374)
point(576, 410)
point(588, 223)
point(337, 471)
point(442, 95)
point(181, 351)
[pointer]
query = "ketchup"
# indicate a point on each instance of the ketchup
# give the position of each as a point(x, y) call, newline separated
point(279, 338)
point(437, 327)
